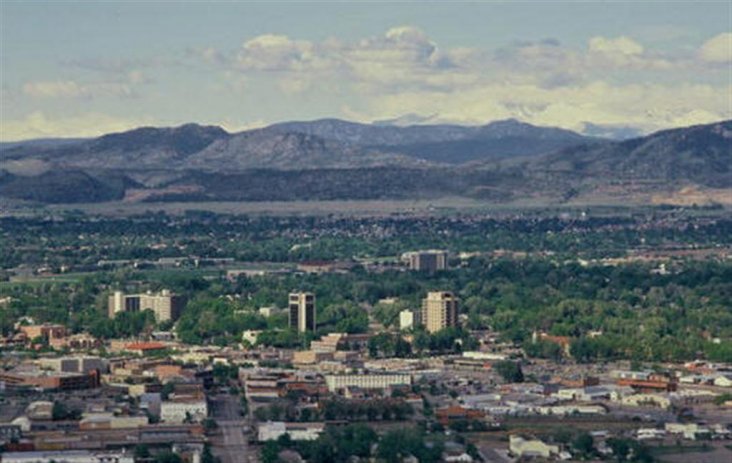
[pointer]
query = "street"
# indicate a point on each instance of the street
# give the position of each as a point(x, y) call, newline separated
point(232, 444)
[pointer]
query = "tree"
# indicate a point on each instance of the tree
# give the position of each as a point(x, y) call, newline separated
point(168, 457)
point(421, 341)
point(510, 371)
point(562, 435)
point(39, 341)
point(388, 314)
point(584, 444)
point(459, 425)
point(473, 451)
point(544, 349)
point(61, 412)
point(396, 445)
point(620, 448)
point(270, 452)
point(141, 451)
point(207, 456)
point(355, 440)
point(209, 425)
point(167, 389)
point(223, 373)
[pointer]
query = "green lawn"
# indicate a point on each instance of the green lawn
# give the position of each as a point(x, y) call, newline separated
point(678, 449)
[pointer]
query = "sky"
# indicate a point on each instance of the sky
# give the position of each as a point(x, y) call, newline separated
point(80, 69)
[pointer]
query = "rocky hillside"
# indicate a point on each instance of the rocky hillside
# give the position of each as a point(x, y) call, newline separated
point(332, 159)
point(699, 155)
point(328, 143)
point(451, 144)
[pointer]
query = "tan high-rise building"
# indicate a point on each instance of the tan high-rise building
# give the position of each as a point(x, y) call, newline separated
point(439, 310)
point(165, 305)
point(302, 312)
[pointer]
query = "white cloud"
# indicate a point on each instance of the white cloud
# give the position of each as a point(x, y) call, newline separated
point(51, 89)
point(544, 63)
point(392, 57)
point(617, 46)
point(718, 49)
point(403, 45)
point(294, 84)
point(625, 53)
point(135, 76)
point(272, 52)
point(647, 106)
point(74, 89)
point(236, 82)
point(39, 125)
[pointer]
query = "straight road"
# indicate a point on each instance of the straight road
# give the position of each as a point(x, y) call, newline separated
point(232, 446)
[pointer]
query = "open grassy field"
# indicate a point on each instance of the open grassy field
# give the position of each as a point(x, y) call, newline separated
point(354, 208)
point(712, 452)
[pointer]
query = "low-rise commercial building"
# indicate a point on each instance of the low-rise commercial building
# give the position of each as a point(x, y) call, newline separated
point(182, 410)
point(646, 381)
point(74, 364)
point(46, 331)
point(67, 456)
point(521, 447)
point(333, 342)
point(262, 387)
point(456, 413)
point(49, 380)
point(107, 420)
point(272, 430)
point(310, 357)
point(691, 431)
point(79, 341)
point(366, 381)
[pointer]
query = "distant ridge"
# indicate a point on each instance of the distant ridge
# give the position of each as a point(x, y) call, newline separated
point(501, 161)
point(324, 143)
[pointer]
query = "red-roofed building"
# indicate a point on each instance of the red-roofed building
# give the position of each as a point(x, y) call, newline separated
point(143, 348)
point(456, 413)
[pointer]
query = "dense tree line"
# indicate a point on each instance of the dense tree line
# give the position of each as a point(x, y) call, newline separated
point(357, 440)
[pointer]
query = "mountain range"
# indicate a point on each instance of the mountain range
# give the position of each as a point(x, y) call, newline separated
point(334, 159)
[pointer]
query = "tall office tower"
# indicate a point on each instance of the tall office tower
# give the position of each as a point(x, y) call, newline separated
point(302, 312)
point(165, 305)
point(427, 261)
point(439, 310)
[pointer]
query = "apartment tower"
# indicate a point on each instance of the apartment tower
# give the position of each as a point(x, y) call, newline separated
point(430, 261)
point(165, 305)
point(439, 310)
point(302, 312)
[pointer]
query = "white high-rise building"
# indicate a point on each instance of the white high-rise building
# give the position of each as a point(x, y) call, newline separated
point(165, 305)
point(406, 320)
